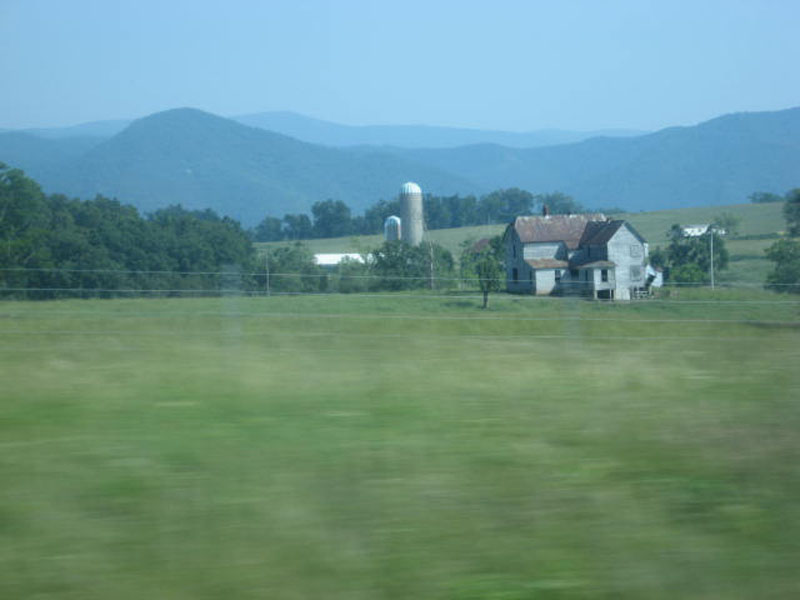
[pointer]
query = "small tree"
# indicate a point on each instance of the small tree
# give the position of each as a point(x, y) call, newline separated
point(482, 262)
point(728, 223)
point(292, 269)
point(785, 277)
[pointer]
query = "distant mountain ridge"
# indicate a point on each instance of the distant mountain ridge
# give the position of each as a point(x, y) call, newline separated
point(204, 161)
point(328, 133)
point(717, 162)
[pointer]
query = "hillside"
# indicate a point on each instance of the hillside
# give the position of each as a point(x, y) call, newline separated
point(412, 136)
point(40, 157)
point(328, 133)
point(717, 162)
point(203, 161)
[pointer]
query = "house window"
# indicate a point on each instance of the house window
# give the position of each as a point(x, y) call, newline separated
point(636, 272)
point(573, 274)
point(558, 275)
point(515, 274)
point(603, 274)
point(636, 250)
point(514, 250)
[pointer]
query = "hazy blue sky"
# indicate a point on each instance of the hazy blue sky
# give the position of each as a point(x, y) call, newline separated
point(489, 64)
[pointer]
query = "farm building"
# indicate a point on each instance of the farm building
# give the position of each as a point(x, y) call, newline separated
point(697, 230)
point(575, 254)
point(330, 261)
point(694, 230)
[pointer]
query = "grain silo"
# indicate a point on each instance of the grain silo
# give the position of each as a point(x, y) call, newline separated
point(392, 229)
point(411, 213)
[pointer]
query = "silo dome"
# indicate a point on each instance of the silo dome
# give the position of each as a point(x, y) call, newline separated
point(392, 229)
point(410, 188)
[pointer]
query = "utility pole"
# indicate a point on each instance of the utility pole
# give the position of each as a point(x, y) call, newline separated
point(430, 244)
point(711, 232)
point(266, 265)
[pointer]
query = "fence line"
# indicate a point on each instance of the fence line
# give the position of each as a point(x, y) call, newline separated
point(382, 317)
point(472, 295)
point(336, 275)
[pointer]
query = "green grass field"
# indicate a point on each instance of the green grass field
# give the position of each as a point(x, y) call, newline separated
point(400, 446)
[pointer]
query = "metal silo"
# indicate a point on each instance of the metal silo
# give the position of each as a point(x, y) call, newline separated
point(411, 213)
point(392, 229)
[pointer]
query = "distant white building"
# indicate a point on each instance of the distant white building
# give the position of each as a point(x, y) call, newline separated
point(330, 261)
point(694, 230)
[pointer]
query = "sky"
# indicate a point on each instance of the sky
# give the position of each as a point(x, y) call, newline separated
point(490, 64)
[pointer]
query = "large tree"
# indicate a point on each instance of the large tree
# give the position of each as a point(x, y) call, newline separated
point(504, 205)
point(785, 277)
point(689, 258)
point(270, 229)
point(791, 212)
point(331, 219)
point(398, 266)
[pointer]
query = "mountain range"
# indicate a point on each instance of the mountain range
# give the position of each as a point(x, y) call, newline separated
point(317, 131)
point(248, 171)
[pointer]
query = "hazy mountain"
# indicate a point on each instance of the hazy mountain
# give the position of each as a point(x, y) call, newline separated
point(203, 161)
point(39, 157)
point(720, 161)
point(411, 136)
point(102, 129)
point(317, 131)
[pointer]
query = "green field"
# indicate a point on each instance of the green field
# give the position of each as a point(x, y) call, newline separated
point(748, 264)
point(400, 446)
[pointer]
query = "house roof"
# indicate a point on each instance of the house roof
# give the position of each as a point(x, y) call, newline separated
point(599, 232)
point(547, 263)
point(595, 264)
point(555, 228)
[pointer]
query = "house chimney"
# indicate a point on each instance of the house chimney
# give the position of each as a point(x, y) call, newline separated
point(545, 210)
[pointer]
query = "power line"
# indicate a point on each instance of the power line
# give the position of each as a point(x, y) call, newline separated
point(425, 278)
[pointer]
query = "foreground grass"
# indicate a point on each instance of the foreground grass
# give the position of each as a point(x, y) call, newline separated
point(400, 446)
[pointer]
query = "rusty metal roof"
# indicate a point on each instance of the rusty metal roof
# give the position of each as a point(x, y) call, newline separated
point(595, 264)
point(555, 228)
point(599, 232)
point(547, 263)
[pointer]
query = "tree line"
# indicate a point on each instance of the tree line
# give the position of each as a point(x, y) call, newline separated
point(52, 246)
point(333, 218)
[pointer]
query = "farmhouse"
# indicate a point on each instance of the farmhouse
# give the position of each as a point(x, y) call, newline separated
point(575, 254)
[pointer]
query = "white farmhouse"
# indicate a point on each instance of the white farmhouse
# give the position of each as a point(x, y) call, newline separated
point(575, 254)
